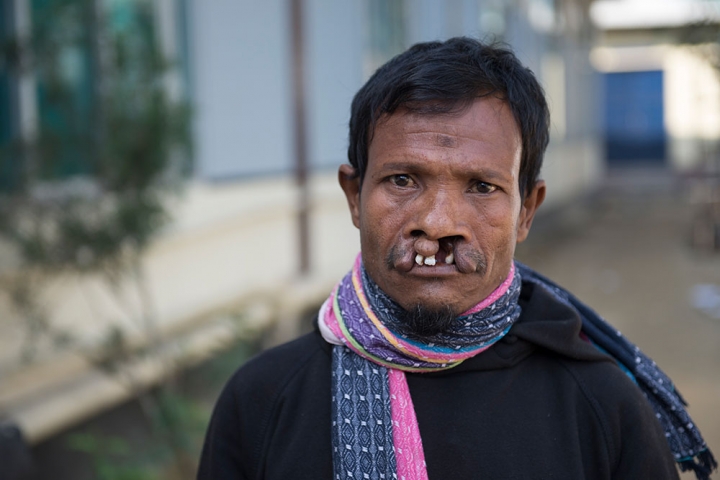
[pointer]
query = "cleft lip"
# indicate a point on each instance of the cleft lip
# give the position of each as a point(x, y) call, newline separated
point(447, 249)
point(469, 260)
point(447, 244)
point(444, 255)
point(404, 258)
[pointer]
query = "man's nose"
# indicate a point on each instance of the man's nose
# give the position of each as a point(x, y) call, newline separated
point(440, 213)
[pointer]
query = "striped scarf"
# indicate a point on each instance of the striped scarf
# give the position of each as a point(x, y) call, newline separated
point(375, 430)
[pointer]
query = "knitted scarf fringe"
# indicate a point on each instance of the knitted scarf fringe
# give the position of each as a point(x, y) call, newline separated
point(703, 464)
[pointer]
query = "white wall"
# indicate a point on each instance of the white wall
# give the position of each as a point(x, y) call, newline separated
point(429, 20)
point(571, 170)
point(240, 76)
point(242, 83)
point(237, 240)
point(334, 47)
point(692, 106)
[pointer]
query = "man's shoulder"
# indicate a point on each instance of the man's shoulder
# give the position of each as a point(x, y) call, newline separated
point(555, 327)
point(619, 404)
point(604, 382)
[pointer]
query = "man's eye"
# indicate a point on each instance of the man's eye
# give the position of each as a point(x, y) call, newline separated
point(402, 180)
point(483, 187)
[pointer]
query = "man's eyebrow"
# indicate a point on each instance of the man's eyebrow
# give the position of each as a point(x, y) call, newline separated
point(492, 175)
point(402, 166)
point(418, 167)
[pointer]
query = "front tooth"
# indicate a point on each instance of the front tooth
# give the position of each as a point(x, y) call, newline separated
point(450, 259)
point(430, 260)
point(419, 259)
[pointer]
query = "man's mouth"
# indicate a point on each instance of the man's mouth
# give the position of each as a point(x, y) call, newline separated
point(449, 257)
point(444, 253)
point(430, 261)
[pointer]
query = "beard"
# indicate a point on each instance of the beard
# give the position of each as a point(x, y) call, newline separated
point(421, 321)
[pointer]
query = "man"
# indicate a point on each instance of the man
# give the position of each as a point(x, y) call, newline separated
point(438, 356)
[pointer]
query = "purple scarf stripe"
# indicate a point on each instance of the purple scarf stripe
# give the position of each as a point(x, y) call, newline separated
point(465, 335)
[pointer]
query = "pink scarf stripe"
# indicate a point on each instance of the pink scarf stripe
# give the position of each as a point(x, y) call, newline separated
point(497, 293)
point(331, 321)
point(409, 454)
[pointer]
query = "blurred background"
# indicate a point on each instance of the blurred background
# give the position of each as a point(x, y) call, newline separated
point(169, 204)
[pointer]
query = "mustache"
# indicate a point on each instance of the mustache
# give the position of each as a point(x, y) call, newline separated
point(478, 259)
point(463, 255)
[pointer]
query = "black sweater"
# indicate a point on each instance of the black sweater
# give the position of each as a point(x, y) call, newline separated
point(539, 404)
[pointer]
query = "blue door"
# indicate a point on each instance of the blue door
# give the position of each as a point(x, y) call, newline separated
point(634, 128)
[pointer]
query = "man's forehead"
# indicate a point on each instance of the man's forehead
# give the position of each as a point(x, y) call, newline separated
point(486, 116)
point(447, 141)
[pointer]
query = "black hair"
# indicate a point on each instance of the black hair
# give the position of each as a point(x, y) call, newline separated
point(436, 78)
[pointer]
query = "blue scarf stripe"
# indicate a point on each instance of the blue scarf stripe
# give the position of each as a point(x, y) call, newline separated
point(361, 418)
point(444, 349)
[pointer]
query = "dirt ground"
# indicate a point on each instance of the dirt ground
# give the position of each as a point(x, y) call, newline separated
point(627, 253)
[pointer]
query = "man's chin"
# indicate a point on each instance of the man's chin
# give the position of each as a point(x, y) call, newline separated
point(432, 300)
point(427, 320)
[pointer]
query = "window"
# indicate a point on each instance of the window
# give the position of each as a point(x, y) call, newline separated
point(89, 58)
point(62, 42)
point(386, 33)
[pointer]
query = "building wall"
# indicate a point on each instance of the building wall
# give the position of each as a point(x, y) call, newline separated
point(233, 243)
point(241, 95)
point(335, 72)
point(692, 100)
point(574, 163)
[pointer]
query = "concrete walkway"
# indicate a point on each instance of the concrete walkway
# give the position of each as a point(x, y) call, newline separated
point(627, 254)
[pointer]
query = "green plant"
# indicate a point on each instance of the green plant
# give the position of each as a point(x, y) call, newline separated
point(111, 457)
point(176, 424)
point(86, 190)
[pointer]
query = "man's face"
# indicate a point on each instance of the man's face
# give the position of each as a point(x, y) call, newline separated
point(444, 190)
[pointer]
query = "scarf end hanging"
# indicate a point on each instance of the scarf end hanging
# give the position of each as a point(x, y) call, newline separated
point(703, 464)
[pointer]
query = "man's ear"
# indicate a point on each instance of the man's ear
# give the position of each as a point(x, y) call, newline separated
point(532, 201)
point(350, 183)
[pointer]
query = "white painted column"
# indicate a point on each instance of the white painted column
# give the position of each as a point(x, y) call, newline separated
point(166, 31)
point(26, 84)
